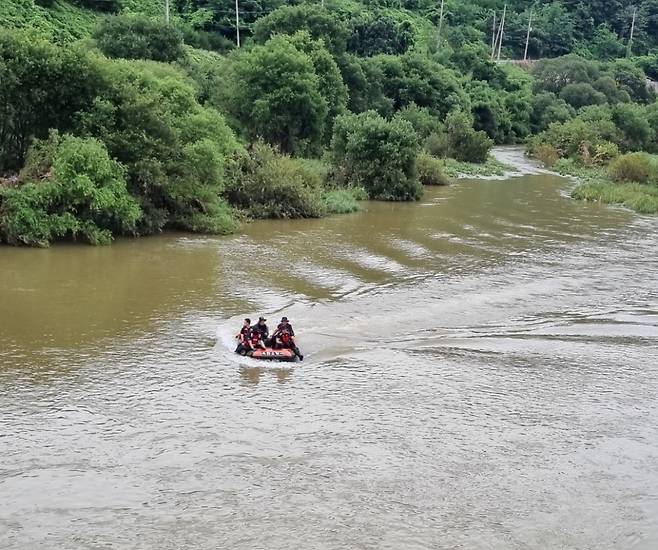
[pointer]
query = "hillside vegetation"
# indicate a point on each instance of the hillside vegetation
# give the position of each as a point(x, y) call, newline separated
point(116, 123)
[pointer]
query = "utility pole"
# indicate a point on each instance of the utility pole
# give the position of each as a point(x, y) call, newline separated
point(630, 40)
point(438, 37)
point(527, 38)
point(167, 12)
point(237, 23)
point(493, 37)
point(502, 30)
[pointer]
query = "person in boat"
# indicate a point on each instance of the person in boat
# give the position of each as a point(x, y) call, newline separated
point(243, 338)
point(255, 340)
point(284, 337)
point(261, 329)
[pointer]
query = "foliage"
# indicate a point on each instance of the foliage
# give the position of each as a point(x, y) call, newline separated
point(173, 148)
point(640, 198)
point(379, 33)
point(319, 22)
point(548, 155)
point(276, 96)
point(43, 86)
point(548, 108)
point(492, 167)
point(636, 167)
point(581, 94)
point(344, 200)
point(81, 192)
point(378, 155)
point(465, 143)
point(423, 122)
point(267, 184)
point(430, 170)
point(137, 37)
point(330, 82)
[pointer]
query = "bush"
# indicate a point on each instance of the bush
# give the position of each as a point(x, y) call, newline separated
point(547, 155)
point(132, 37)
point(604, 152)
point(424, 123)
point(437, 144)
point(267, 184)
point(636, 167)
point(430, 170)
point(465, 143)
point(378, 155)
point(82, 192)
point(173, 148)
point(344, 201)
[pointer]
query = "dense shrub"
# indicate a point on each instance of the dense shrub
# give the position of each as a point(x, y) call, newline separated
point(568, 137)
point(80, 191)
point(378, 155)
point(635, 167)
point(636, 131)
point(344, 200)
point(378, 33)
point(173, 148)
point(548, 155)
point(604, 152)
point(424, 122)
point(133, 37)
point(41, 88)
point(430, 170)
point(464, 142)
point(437, 144)
point(414, 78)
point(267, 184)
point(548, 108)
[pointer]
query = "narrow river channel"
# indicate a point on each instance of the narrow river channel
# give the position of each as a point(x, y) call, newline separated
point(481, 372)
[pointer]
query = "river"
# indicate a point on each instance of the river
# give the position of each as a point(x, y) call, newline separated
point(480, 373)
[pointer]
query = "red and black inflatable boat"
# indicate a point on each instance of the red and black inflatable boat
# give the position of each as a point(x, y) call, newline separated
point(271, 354)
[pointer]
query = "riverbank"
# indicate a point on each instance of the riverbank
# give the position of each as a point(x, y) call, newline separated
point(594, 184)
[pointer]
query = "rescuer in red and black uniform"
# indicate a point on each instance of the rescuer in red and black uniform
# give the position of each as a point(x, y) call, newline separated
point(260, 333)
point(284, 337)
point(243, 338)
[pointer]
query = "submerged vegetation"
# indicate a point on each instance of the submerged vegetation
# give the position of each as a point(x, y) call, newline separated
point(116, 123)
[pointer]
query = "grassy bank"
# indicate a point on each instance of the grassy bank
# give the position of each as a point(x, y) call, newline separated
point(492, 167)
point(595, 185)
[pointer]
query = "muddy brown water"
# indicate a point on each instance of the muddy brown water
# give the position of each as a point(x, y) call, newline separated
point(480, 373)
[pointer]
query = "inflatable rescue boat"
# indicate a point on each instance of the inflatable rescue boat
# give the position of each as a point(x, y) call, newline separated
point(271, 354)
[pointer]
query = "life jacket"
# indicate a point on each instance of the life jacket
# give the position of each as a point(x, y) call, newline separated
point(285, 337)
point(254, 336)
point(244, 333)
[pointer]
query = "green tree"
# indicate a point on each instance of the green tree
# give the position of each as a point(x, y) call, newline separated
point(580, 94)
point(413, 78)
point(173, 148)
point(378, 33)
point(136, 37)
point(330, 81)
point(464, 142)
point(632, 122)
point(42, 87)
point(378, 155)
point(548, 108)
point(276, 95)
point(319, 22)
